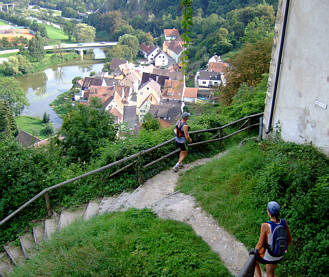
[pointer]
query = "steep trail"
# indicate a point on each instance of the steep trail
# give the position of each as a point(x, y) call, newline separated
point(158, 193)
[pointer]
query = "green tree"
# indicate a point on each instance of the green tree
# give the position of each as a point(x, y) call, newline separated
point(8, 127)
point(85, 129)
point(248, 66)
point(17, 65)
point(84, 33)
point(150, 123)
point(259, 28)
point(12, 95)
point(45, 118)
point(68, 28)
point(36, 48)
point(132, 43)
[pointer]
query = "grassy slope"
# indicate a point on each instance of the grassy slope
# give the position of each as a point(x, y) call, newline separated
point(236, 188)
point(31, 125)
point(223, 188)
point(134, 243)
point(56, 35)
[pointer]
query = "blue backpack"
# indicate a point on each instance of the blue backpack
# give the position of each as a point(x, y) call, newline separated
point(279, 243)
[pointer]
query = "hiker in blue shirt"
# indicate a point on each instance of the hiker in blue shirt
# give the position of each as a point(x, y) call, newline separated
point(273, 241)
point(182, 138)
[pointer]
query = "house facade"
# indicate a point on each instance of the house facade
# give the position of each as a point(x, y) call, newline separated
point(208, 79)
point(161, 59)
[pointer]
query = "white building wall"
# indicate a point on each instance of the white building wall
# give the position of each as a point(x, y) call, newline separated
point(302, 101)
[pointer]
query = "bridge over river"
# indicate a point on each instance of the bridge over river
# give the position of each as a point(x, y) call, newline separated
point(71, 46)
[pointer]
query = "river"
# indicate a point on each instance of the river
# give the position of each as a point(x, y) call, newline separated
point(43, 87)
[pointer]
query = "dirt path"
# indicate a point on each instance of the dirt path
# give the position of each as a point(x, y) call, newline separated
point(158, 193)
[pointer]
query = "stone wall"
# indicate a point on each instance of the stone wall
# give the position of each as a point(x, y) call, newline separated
point(302, 102)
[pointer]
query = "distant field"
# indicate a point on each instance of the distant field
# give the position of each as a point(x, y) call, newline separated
point(55, 34)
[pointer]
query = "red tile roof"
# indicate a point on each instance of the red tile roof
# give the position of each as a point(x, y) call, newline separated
point(173, 89)
point(191, 92)
point(171, 32)
point(146, 49)
point(175, 46)
point(219, 67)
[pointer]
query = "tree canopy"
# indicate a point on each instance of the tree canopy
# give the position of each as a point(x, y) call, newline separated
point(12, 95)
point(85, 129)
point(84, 33)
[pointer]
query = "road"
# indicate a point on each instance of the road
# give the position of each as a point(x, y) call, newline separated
point(70, 46)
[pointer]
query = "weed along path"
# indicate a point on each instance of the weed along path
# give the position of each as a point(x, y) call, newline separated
point(158, 193)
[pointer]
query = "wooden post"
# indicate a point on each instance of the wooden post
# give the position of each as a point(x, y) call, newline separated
point(249, 124)
point(49, 210)
point(220, 136)
point(140, 170)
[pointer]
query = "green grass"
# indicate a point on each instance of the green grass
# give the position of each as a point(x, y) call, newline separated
point(8, 55)
point(236, 188)
point(133, 243)
point(3, 23)
point(31, 125)
point(56, 35)
point(223, 188)
point(62, 105)
point(53, 59)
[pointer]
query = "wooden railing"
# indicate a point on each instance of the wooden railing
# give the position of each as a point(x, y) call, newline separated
point(247, 123)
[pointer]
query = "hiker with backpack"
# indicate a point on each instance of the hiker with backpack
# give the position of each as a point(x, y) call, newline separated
point(182, 138)
point(273, 241)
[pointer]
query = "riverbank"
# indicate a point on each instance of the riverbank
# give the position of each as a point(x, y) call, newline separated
point(10, 69)
point(62, 105)
point(54, 59)
point(32, 125)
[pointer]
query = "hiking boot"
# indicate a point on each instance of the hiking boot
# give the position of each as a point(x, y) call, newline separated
point(175, 168)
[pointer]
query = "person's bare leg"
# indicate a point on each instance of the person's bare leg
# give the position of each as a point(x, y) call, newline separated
point(258, 272)
point(182, 156)
point(270, 270)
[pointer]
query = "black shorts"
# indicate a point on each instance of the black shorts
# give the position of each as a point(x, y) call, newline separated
point(182, 146)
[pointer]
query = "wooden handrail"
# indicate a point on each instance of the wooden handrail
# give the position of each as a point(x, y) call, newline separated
point(136, 155)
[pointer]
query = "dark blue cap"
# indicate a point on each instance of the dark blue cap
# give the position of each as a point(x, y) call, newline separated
point(273, 208)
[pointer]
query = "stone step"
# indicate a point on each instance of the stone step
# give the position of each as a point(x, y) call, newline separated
point(27, 245)
point(50, 227)
point(69, 216)
point(92, 209)
point(118, 203)
point(15, 253)
point(5, 264)
point(39, 233)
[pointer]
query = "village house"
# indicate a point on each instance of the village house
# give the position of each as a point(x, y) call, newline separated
point(115, 66)
point(167, 111)
point(158, 78)
point(161, 59)
point(208, 79)
point(148, 94)
point(173, 90)
point(171, 34)
point(174, 49)
point(190, 95)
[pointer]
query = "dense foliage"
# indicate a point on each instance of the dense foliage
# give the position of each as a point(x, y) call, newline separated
point(12, 95)
point(133, 243)
point(85, 129)
point(237, 188)
point(8, 127)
